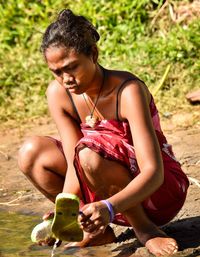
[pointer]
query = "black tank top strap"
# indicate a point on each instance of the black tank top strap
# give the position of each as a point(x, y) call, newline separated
point(119, 90)
point(74, 107)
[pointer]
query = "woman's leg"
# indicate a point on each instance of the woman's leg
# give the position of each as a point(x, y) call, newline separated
point(156, 241)
point(106, 178)
point(44, 165)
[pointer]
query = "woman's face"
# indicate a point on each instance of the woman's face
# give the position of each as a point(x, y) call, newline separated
point(72, 70)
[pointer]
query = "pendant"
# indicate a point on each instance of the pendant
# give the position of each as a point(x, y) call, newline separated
point(91, 120)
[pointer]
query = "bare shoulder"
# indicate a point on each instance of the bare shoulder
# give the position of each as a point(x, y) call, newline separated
point(57, 94)
point(54, 88)
point(58, 99)
point(120, 74)
point(134, 97)
point(130, 85)
point(136, 87)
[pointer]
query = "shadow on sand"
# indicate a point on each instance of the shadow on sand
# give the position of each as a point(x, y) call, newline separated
point(185, 231)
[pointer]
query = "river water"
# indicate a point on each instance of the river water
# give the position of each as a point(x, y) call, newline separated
point(15, 231)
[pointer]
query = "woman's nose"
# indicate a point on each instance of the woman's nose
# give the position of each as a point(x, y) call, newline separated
point(67, 78)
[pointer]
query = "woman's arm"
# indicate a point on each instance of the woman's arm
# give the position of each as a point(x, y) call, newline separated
point(61, 110)
point(134, 107)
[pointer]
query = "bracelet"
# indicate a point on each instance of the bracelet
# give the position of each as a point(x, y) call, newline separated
point(110, 209)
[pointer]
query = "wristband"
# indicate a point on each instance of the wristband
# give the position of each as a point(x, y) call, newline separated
point(110, 209)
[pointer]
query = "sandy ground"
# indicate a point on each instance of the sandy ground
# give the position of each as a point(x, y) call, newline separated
point(18, 195)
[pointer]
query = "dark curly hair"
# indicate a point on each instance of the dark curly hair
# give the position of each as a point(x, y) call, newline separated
point(71, 31)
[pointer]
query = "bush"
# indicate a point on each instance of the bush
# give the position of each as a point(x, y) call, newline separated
point(141, 36)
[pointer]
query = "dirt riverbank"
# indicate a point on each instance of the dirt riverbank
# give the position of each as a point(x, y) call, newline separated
point(18, 195)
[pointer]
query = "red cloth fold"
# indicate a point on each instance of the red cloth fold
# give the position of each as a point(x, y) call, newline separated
point(112, 140)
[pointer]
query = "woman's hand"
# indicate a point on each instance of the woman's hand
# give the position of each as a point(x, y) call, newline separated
point(94, 218)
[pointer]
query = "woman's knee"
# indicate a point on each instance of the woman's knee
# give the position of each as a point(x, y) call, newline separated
point(28, 154)
point(89, 160)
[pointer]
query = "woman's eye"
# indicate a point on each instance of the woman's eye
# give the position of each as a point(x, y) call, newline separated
point(72, 68)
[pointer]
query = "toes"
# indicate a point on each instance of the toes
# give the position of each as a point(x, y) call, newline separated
point(169, 251)
point(172, 248)
point(163, 253)
point(172, 242)
point(162, 246)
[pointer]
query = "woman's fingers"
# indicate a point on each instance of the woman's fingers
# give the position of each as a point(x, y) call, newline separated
point(83, 219)
point(85, 213)
point(94, 229)
point(93, 217)
point(91, 225)
point(88, 223)
point(97, 222)
point(98, 230)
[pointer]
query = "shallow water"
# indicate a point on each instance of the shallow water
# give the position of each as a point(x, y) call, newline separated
point(15, 231)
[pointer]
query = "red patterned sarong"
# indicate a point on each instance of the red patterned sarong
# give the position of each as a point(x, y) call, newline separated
point(112, 140)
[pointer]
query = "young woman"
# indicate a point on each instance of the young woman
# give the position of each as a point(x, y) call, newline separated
point(111, 144)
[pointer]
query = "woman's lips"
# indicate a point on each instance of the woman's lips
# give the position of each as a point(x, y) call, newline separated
point(71, 87)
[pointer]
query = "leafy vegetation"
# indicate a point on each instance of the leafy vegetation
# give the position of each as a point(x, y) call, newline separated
point(143, 36)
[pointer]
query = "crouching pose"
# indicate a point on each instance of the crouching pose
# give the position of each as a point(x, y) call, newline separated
point(111, 145)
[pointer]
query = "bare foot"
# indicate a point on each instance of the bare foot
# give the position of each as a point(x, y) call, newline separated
point(157, 242)
point(160, 246)
point(104, 238)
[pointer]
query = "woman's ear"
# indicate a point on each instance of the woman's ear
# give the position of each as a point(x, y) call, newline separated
point(95, 53)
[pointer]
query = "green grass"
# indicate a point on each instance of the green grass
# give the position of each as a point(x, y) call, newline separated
point(128, 41)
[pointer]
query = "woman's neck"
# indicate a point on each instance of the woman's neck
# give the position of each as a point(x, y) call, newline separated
point(97, 83)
